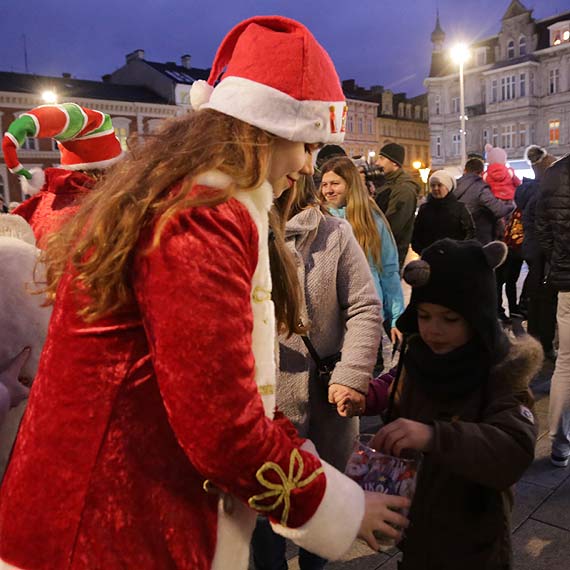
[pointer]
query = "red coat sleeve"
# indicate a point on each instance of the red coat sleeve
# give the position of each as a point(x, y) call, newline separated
point(195, 293)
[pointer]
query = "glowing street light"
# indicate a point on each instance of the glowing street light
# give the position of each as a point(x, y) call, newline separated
point(49, 96)
point(417, 164)
point(371, 155)
point(460, 54)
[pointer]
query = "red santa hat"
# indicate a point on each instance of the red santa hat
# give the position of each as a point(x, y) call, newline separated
point(85, 137)
point(277, 77)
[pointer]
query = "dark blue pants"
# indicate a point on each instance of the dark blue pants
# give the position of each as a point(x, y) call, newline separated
point(268, 550)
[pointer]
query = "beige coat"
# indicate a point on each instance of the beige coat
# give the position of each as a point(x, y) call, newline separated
point(344, 313)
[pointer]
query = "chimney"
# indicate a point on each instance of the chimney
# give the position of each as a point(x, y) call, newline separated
point(349, 85)
point(134, 55)
point(185, 60)
point(66, 75)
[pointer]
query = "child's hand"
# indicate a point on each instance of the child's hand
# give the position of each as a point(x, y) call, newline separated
point(403, 434)
point(348, 402)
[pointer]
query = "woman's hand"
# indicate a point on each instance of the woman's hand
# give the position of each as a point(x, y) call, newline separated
point(378, 513)
point(348, 402)
point(403, 434)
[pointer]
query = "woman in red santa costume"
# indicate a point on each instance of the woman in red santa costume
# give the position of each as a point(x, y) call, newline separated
point(150, 440)
point(87, 144)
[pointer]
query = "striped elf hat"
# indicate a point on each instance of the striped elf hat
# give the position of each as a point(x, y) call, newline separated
point(85, 137)
point(277, 77)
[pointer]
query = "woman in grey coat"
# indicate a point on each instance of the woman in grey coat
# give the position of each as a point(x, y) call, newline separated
point(342, 312)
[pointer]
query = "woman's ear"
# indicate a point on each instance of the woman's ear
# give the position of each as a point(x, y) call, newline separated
point(496, 253)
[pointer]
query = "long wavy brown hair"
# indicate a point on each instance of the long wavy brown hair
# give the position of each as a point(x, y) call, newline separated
point(360, 208)
point(98, 244)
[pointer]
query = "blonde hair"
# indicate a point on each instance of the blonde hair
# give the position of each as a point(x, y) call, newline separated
point(360, 208)
point(99, 242)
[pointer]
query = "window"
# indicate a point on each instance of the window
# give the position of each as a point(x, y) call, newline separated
point(425, 114)
point(495, 136)
point(360, 125)
point(522, 85)
point(54, 145)
point(455, 105)
point(400, 109)
point(554, 132)
point(553, 81)
point(437, 104)
point(121, 125)
point(508, 88)
point(494, 91)
point(409, 111)
point(350, 124)
point(418, 113)
point(456, 143)
point(523, 137)
point(370, 127)
point(511, 49)
point(481, 56)
point(30, 144)
point(438, 147)
point(531, 84)
point(522, 46)
point(485, 136)
point(507, 136)
point(559, 33)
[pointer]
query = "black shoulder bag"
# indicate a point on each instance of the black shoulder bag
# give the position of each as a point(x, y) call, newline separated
point(325, 366)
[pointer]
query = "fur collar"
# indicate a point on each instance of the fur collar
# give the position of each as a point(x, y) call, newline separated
point(522, 363)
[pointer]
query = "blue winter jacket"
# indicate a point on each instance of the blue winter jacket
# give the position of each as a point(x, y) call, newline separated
point(388, 284)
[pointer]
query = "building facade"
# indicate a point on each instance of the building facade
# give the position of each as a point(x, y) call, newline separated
point(397, 118)
point(517, 90)
point(133, 109)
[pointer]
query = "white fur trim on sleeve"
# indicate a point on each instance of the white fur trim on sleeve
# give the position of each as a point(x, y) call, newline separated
point(331, 531)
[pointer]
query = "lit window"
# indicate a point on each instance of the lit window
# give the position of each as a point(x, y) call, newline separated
point(511, 49)
point(122, 134)
point(554, 132)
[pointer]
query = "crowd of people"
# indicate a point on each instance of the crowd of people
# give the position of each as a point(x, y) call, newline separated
point(217, 298)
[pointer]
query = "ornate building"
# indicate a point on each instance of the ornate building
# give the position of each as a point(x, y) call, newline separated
point(517, 90)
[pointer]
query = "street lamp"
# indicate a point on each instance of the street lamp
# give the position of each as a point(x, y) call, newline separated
point(49, 97)
point(417, 164)
point(371, 155)
point(460, 54)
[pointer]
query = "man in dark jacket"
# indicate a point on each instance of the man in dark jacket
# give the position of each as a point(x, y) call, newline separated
point(541, 296)
point(552, 227)
point(398, 196)
point(485, 209)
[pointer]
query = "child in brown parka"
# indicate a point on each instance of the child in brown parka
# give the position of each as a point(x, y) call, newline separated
point(463, 400)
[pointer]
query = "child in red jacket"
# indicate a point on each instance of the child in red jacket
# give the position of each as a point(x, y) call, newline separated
point(501, 179)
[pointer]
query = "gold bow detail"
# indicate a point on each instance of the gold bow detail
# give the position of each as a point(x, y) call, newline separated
point(282, 491)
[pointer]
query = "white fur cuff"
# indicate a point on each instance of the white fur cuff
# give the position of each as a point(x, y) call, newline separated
point(333, 528)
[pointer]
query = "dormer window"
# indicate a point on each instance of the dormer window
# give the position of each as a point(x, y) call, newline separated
point(522, 46)
point(482, 56)
point(559, 33)
point(511, 49)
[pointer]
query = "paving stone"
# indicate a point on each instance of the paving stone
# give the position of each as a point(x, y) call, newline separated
point(538, 546)
point(528, 497)
point(556, 509)
point(542, 472)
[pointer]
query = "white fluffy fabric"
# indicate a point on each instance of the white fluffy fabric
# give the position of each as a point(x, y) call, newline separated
point(16, 227)
point(34, 185)
point(200, 94)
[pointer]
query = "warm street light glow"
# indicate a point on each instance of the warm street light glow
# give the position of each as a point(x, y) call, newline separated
point(460, 53)
point(417, 164)
point(424, 174)
point(49, 96)
point(371, 154)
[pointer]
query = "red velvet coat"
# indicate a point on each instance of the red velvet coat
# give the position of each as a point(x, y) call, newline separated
point(55, 202)
point(130, 415)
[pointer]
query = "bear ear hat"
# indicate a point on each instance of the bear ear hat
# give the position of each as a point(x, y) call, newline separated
point(495, 253)
point(417, 273)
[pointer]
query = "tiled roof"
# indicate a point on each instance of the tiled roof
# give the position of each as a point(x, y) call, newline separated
point(179, 73)
point(68, 88)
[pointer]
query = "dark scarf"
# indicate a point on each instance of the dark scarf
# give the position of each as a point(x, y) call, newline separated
point(454, 374)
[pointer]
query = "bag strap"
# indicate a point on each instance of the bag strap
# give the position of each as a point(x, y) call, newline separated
point(312, 351)
point(390, 409)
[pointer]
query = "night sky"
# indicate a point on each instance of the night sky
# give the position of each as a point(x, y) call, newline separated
point(384, 42)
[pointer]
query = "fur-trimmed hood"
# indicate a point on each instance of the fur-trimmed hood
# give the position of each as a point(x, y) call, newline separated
point(521, 364)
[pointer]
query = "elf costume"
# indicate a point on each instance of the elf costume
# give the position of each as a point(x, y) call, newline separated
point(86, 141)
point(150, 439)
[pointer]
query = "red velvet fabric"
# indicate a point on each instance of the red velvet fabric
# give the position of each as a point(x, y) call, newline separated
point(129, 415)
point(58, 199)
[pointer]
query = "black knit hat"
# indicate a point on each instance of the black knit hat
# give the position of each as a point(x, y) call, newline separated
point(458, 275)
point(329, 151)
point(394, 152)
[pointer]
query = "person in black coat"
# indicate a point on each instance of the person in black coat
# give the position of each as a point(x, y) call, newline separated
point(542, 298)
point(442, 215)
